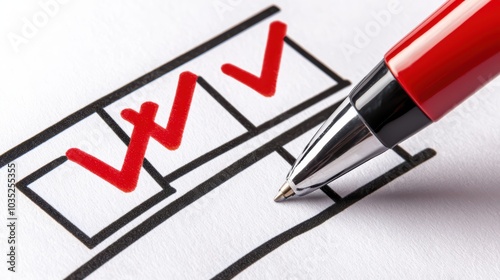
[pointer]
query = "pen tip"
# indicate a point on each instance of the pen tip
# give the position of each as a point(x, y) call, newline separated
point(279, 197)
point(284, 193)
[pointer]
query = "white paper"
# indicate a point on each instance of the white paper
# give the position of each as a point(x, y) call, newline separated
point(435, 217)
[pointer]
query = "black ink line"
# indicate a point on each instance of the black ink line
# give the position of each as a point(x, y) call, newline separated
point(114, 126)
point(207, 157)
point(168, 211)
point(314, 60)
point(333, 195)
point(42, 171)
point(88, 110)
point(291, 160)
point(286, 155)
point(224, 103)
point(306, 104)
point(326, 214)
point(402, 153)
point(155, 174)
point(128, 217)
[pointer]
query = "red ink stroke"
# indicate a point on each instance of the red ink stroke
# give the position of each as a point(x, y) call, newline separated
point(144, 128)
point(266, 83)
point(126, 178)
point(171, 136)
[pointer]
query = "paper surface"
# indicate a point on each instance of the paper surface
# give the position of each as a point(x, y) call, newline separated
point(427, 209)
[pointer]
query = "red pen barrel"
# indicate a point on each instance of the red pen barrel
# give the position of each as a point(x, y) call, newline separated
point(448, 57)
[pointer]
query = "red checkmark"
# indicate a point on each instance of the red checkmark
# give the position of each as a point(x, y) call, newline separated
point(266, 83)
point(171, 136)
point(144, 128)
point(125, 179)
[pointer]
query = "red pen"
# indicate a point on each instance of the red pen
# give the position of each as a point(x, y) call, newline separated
point(447, 58)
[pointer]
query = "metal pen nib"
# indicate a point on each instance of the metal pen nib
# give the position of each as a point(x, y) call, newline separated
point(377, 115)
point(342, 143)
point(284, 193)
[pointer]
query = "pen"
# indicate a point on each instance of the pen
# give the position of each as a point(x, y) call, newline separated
point(447, 58)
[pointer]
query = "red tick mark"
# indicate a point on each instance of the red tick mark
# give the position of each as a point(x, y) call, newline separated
point(266, 83)
point(171, 136)
point(144, 128)
point(126, 178)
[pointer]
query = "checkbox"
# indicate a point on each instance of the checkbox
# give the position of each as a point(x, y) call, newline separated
point(300, 78)
point(83, 203)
